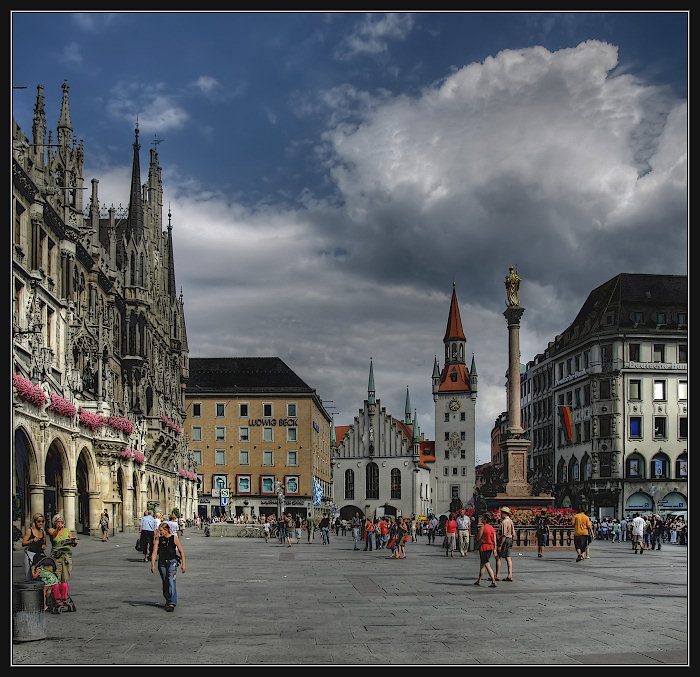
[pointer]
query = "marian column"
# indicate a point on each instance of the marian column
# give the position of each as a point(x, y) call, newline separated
point(514, 445)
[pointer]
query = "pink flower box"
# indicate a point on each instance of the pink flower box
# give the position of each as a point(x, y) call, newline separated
point(28, 392)
point(92, 421)
point(119, 423)
point(61, 406)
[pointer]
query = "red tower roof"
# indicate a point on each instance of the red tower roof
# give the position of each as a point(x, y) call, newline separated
point(454, 322)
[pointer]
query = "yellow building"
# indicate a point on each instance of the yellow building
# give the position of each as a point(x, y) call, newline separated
point(260, 437)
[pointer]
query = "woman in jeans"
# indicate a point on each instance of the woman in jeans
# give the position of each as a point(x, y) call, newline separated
point(169, 552)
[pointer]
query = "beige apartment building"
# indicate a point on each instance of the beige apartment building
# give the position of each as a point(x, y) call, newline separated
point(261, 438)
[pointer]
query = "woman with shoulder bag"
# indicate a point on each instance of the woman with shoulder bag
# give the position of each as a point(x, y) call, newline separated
point(34, 543)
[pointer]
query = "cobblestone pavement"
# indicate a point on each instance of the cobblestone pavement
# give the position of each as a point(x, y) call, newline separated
point(244, 601)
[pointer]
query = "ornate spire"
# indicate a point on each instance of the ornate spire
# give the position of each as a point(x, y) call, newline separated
point(407, 410)
point(65, 129)
point(39, 126)
point(135, 222)
point(172, 291)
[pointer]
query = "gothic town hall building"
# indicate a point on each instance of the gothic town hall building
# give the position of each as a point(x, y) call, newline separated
point(99, 349)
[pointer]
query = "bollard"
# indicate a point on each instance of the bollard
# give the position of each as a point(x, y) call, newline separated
point(28, 618)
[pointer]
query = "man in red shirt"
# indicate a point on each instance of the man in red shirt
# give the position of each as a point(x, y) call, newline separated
point(486, 541)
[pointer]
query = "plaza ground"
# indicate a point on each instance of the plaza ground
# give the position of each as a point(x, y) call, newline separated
point(244, 601)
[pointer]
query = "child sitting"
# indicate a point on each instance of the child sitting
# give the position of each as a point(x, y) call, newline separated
point(44, 571)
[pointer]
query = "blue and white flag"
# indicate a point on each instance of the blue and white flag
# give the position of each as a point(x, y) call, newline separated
point(318, 492)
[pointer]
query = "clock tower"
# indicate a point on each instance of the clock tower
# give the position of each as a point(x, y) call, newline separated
point(454, 393)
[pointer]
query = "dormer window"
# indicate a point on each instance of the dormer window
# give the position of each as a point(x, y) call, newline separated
point(453, 375)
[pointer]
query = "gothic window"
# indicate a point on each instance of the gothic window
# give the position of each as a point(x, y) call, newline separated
point(586, 468)
point(132, 276)
point(573, 469)
point(372, 480)
point(141, 271)
point(561, 471)
point(349, 484)
point(395, 483)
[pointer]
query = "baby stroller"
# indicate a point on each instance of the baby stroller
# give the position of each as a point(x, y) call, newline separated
point(52, 605)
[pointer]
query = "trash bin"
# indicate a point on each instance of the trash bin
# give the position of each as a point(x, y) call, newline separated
point(28, 618)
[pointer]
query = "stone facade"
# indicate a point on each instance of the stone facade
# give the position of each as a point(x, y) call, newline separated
point(608, 401)
point(100, 354)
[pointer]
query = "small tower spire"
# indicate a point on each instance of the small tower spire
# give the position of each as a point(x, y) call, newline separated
point(436, 379)
point(370, 386)
point(407, 410)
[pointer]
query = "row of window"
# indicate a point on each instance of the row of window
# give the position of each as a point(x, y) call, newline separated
point(455, 470)
point(635, 468)
point(267, 433)
point(372, 482)
point(244, 409)
point(243, 484)
point(582, 431)
point(660, 353)
point(244, 457)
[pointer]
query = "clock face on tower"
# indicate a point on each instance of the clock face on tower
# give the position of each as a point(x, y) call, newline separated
point(455, 404)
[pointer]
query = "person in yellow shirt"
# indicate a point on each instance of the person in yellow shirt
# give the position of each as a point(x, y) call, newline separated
point(582, 529)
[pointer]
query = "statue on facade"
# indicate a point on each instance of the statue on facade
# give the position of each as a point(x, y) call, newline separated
point(512, 286)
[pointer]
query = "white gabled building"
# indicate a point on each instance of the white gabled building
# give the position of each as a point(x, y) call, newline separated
point(380, 463)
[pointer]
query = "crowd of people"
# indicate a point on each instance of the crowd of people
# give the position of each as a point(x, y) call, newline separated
point(671, 529)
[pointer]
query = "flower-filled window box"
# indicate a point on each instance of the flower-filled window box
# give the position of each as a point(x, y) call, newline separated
point(62, 406)
point(119, 423)
point(139, 457)
point(28, 392)
point(92, 421)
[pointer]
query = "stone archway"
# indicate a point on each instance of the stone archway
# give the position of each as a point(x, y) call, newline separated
point(82, 481)
point(347, 512)
point(24, 460)
point(54, 482)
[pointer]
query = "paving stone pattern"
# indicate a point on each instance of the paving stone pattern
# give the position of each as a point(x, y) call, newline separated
point(244, 601)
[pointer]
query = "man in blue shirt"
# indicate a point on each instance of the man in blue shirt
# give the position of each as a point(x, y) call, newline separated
point(147, 529)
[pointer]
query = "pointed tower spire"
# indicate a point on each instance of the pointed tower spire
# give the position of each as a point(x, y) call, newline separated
point(473, 378)
point(65, 129)
point(455, 340)
point(416, 431)
point(454, 322)
point(370, 386)
point(436, 379)
point(135, 222)
point(407, 410)
point(39, 128)
point(172, 290)
point(334, 442)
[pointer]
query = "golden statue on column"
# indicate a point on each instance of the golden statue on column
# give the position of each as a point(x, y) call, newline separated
point(512, 286)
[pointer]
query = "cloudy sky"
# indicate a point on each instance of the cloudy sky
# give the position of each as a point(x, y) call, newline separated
point(330, 176)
